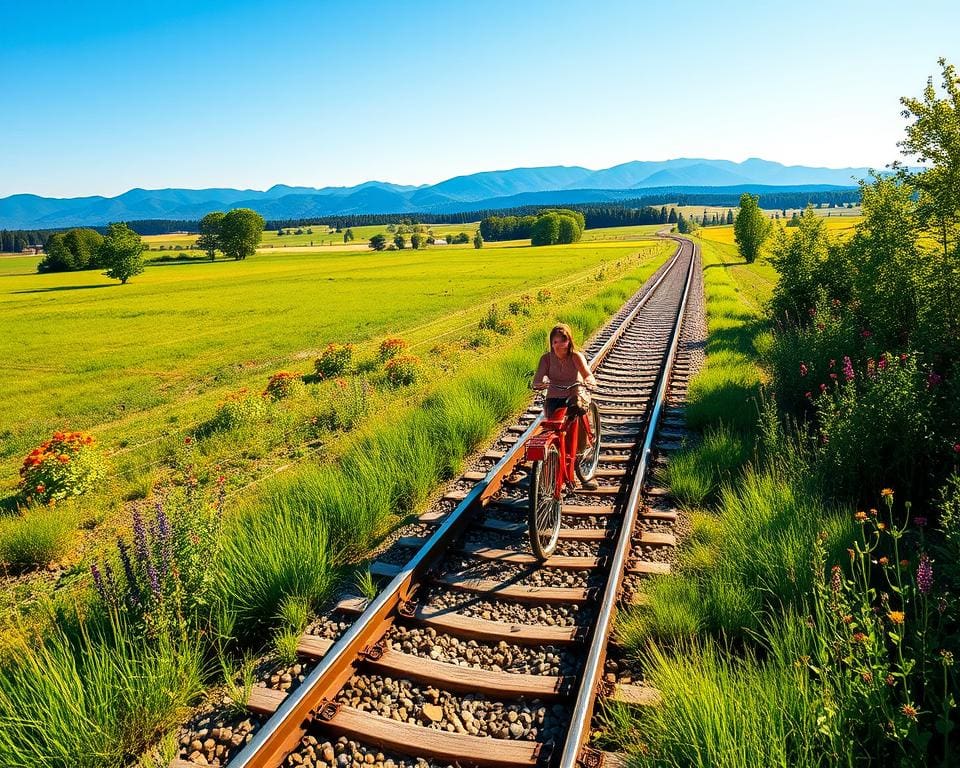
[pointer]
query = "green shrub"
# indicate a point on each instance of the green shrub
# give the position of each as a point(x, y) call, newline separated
point(544, 295)
point(334, 360)
point(496, 321)
point(68, 464)
point(403, 371)
point(37, 536)
point(349, 403)
point(239, 409)
point(521, 306)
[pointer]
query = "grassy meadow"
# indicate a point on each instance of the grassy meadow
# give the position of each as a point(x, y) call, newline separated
point(125, 361)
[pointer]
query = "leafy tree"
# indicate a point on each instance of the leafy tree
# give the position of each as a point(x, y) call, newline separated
point(240, 232)
point(794, 220)
point(672, 218)
point(478, 240)
point(378, 242)
point(348, 235)
point(400, 241)
point(546, 230)
point(122, 252)
point(209, 239)
point(57, 257)
point(416, 240)
point(569, 232)
point(663, 215)
point(751, 228)
point(84, 245)
point(797, 259)
point(934, 139)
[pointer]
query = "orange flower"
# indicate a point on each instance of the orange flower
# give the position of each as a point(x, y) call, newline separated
point(861, 516)
point(881, 526)
point(896, 617)
point(886, 492)
point(909, 711)
point(884, 560)
point(63, 458)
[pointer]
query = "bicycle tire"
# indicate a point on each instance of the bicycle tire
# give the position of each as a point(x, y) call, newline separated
point(544, 509)
point(588, 459)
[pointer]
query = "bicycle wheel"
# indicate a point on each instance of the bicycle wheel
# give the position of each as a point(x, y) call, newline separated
point(589, 456)
point(544, 508)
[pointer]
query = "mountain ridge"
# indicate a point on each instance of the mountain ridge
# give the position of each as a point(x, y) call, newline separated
point(474, 191)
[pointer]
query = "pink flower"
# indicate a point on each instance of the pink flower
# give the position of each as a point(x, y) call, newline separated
point(848, 373)
point(833, 362)
point(924, 574)
point(803, 369)
point(956, 447)
point(823, 387)
point(807, 395)
point(882, 365)
point(865, 333)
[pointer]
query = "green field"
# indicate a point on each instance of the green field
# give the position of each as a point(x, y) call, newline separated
point(83, 352)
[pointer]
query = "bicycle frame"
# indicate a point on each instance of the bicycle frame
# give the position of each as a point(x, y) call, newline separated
point(564, 433)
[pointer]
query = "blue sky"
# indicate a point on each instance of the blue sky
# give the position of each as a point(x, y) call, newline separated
point(104, 96)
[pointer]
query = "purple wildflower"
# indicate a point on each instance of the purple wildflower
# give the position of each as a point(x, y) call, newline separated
point(933, 379)
point(848, 373)
point(133, 593)
point(98, 582)
point(924, 574)
point(140, 538)
point(920, 521)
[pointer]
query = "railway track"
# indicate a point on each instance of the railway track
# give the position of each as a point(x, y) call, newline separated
point(474, 653)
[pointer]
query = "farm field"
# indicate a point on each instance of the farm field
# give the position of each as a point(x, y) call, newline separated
point(127, 361)
point(321, 235)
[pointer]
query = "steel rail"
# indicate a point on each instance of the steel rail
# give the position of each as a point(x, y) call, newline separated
point(285, 727)
point(580, 719)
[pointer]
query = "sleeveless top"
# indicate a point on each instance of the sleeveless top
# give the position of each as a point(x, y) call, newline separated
point(560, 372)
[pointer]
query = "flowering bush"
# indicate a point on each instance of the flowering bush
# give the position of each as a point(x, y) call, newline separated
point(403, 370)
point(522, 306)
point(875, 421)
point(67, 464)
point(162, 579)
point(239, 409)
point(390, 348)
point(282, 385)
point(334, 360)
point(544, 295)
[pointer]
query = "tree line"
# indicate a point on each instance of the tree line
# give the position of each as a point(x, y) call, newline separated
point(550, 227)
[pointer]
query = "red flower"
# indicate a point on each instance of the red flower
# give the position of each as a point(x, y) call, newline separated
point(865, 333)
point(803, 369)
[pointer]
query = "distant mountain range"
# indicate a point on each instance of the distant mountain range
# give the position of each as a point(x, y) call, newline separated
point(549, 185)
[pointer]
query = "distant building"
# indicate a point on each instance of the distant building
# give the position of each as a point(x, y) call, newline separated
point(32, 250)
point(439, 241)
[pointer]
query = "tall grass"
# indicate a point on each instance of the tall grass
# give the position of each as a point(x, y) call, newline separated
point(722, 709)
point(37, 536)
point(97, 699)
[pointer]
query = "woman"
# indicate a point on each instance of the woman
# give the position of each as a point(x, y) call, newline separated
point(561, 367)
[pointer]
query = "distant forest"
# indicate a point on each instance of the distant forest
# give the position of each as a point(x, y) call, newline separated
point(620, 213)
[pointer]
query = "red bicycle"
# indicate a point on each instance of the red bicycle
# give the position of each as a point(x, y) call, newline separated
point(556, 459)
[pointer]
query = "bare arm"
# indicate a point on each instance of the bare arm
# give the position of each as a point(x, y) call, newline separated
point(584, 369)
point(541, 373)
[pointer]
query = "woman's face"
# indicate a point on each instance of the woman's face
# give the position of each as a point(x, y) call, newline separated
point(560, 344)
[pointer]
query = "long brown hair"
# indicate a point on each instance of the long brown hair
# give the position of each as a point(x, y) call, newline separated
point(562, 329)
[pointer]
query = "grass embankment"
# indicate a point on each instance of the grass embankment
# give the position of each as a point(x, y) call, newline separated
point(281, 553)
point(131, 362)
point(720, 637)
